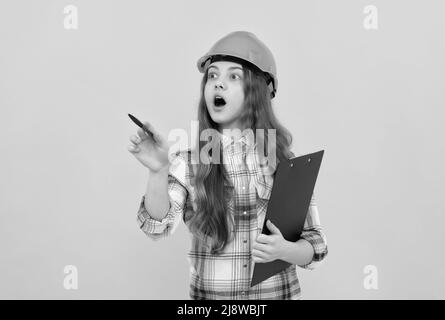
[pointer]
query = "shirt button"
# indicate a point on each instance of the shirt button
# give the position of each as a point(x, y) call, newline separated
point(245, 241)
point(245, 212)
point(245, 266)
point(244, 188)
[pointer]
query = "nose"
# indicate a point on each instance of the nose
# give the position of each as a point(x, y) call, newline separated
point(220, 85)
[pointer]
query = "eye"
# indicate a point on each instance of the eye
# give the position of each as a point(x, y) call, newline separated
point(235, 76)
point(210, 75)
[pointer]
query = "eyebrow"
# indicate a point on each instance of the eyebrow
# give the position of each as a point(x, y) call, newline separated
point(229, 68)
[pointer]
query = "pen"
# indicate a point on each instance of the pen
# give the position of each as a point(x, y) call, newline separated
point(142, 126)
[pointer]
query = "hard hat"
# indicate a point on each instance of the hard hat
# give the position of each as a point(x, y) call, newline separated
point(245, 46)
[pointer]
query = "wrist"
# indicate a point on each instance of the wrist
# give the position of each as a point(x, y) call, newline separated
point(289, 248)
point(295, 252)
point(162, 170)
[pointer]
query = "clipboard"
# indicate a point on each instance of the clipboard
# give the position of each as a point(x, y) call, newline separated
point(288, 205)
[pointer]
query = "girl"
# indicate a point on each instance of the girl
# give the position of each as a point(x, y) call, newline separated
point(224, 204)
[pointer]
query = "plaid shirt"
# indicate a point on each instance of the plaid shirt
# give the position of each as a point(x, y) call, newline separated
point(227, 275)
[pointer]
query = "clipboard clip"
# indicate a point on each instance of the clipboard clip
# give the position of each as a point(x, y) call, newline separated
point(308, 161)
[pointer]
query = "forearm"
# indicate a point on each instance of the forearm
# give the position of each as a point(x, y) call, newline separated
point(157, 201)
point(298, 253)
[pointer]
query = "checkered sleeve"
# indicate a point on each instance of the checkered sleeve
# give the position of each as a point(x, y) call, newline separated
point(178, 196)
point(313, 233)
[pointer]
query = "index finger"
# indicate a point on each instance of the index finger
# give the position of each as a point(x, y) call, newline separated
point(142, 134)
point(141, 131)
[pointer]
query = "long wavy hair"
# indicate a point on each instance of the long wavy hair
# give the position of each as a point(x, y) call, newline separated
point(211, 222)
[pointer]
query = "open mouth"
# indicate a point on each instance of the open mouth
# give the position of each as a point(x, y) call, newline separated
point(219, 101)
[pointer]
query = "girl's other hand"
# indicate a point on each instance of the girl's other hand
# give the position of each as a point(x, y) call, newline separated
point(269, 247)
point(152, 154)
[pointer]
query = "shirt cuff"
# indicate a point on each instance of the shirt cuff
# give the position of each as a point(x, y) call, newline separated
point(318, 241)
point(152, 228)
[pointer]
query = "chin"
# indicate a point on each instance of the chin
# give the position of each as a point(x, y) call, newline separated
point(217, 119)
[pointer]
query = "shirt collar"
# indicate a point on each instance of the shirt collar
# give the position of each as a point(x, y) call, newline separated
point(227, 140)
